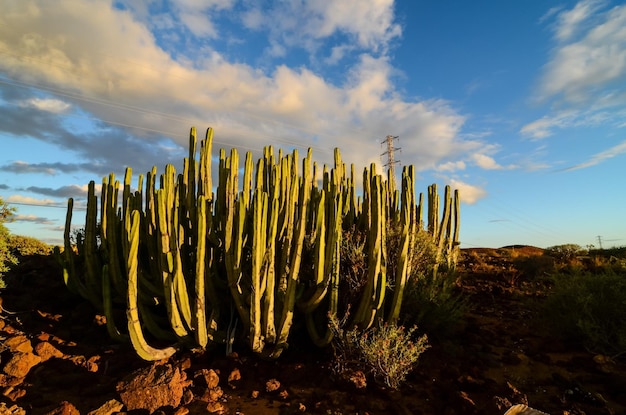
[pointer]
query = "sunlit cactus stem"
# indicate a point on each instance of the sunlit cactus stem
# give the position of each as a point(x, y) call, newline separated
point(406, 233)
point(143, 349)
point(373, 296)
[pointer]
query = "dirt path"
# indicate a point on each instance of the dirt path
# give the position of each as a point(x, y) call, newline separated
point(56, 357)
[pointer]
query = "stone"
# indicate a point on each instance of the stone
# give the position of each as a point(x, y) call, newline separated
point(215, 407)
point(20, 363)
point(153, 387)
point(110, 407)
point(234, 375)
point(211, 377)
point(65, 408)
point(522, 409)
point(19, 344)
point(12, 410)
point(47, 351)
point(272, 385)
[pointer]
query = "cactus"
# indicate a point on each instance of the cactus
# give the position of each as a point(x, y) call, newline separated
point(176, 253)
point(143, 349)
point(374, 293)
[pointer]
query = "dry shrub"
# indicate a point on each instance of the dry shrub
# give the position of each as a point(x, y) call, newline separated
point(386, 352)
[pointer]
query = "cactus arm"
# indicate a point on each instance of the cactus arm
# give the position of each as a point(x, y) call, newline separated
point(375, 286)
point(259, 224)
point(286, 319)
point(402, 269)
point(143, 349)
point(107, 303)
point(201, 333)
point(67, 257)
point(269, 327)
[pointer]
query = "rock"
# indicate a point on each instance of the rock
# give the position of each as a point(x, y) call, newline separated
point(522, 409)
point(153, 387)
point(9, 380)
point(65, 408)
point(211, 377)
point(47, 351)
point(20, 364)
point(234, 375)
point(14, 393)
point(215, 407)
point(272, 385)
point(12, 410)
point(109, 408)
point(19, 344)
point(187, 397)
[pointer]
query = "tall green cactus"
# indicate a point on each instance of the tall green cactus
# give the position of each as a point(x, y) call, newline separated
point(177, 253)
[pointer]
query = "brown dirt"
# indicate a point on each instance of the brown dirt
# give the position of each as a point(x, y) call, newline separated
point(64, 361)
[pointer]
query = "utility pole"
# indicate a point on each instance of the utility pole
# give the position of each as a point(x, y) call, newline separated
point(391, 161)
point(600, 241)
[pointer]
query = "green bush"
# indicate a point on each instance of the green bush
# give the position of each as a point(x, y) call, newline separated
point(387, 352)
point(431, 299)
point(434, 303)
point(22, 246)
point(535, 266)
point(590, 308)
point(6, 256)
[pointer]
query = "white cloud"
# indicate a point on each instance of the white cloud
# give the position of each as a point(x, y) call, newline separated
point(595, 115)
point(570, 21)
point(114, 63)
point(33, 219)
point(451, 166)
point(598, 158)
point(372, 23)
point(369, 26)
point(48, 104)
point(486, 162)
point(469, 193)
point(591, 62)
point(29, 200)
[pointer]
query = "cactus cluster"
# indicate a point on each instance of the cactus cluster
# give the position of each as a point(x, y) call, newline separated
point(193, 266)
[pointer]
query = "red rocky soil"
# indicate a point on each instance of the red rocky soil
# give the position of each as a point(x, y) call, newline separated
point(56, 358)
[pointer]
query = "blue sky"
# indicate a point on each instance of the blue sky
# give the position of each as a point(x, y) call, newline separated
point(521, 105)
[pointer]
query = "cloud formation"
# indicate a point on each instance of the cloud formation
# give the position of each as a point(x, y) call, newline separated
point(584, 77)
point(588, 58)
point(39, 220)
point(20, 199)
point(468, 193)
point(598, 158)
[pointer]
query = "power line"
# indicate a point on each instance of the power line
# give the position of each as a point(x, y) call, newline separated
point(45, 206)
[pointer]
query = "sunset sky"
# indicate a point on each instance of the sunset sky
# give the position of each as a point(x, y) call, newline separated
point(519, 104)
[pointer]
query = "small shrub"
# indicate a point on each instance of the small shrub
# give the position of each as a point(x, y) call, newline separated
point(22, 246)
point(353, 265)
point(590, 308)
point(434, 303)
point(565, 254)
point(535, 266)
point(6, 256)
point(386, 352)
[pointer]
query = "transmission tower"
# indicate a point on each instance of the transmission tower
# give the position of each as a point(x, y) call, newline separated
point(391, 161)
